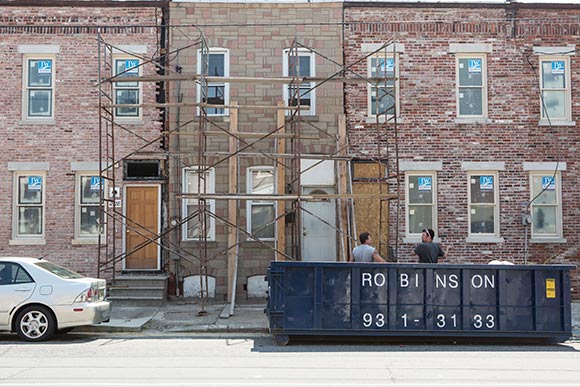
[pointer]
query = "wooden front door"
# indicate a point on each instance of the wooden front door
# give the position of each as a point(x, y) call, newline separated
point(142, 212)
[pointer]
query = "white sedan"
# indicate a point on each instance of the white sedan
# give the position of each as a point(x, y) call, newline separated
point(39, 298)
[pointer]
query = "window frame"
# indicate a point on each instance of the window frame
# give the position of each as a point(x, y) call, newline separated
point(558, 205)
point(484, 80)
point(126, 86)
point(16, 205)
point(79, 205)
point(286, 73)
point(26, 88)
point(225, 85)
point(251, 203)
point(408, 204)
point(567, 90)
point(370, 86)
point(193, 172)
point(472, 236)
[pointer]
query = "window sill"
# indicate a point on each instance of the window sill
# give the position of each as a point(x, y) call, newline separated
point(37, 122)
point(87, 241)
point(383, 119)
point(474, 120)
point(193, 241)
point(128, 121)
point(556, 123)
point(415, 240)
point(260, 240)
point(484, 239)
point(25, 242)
point(548, 240)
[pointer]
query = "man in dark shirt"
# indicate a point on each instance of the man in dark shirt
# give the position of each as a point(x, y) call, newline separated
point(427, 250)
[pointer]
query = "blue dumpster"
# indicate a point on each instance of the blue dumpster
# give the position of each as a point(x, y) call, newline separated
point(445, 300)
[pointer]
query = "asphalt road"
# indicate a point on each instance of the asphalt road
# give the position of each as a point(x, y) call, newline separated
point(148, 359)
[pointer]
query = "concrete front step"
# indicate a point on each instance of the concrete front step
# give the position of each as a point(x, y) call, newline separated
point(139, 290)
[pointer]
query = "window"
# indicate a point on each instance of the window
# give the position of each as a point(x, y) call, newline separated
point(218, 93)
point(483, 204)
point(261, 214)
point(127, 92)
point(29, 205)
point(471, 86)
point(195, 182)
point(555, 87)
point(12, 274)
point(546, 209)
point(38, 94)
point(88, 206)
point(299, 63)
point(421, 191)
point(383, 95)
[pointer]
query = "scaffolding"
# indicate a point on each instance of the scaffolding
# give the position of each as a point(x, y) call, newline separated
point(282, 145)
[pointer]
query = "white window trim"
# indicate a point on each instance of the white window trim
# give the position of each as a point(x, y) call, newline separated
point(262, 202)
point(210, 188)
point(27, 239)
point(484, 237)
point(78, 238)
point(416, 237)
point(567, 120)
point(286, 72)
point(139, 116)
point(226, 85)
point(32, 119)
point(463, 118)
point(559, 237)
point(389, 55)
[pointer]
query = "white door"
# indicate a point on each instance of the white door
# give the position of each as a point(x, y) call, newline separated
point(319, 229)
point(15, 288)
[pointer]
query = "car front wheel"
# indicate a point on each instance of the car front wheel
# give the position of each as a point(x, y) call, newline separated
point(35, 323)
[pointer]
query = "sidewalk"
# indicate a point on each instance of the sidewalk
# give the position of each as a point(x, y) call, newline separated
point(187, 316)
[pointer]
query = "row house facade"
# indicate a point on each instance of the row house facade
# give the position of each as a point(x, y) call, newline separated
point(252, 124)
point(482, 100)
point(56, 123)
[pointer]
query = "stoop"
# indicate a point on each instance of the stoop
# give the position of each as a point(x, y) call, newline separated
point(138, 290)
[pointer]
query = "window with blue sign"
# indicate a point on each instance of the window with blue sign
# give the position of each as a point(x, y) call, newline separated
point(214, 64)
point(483, 204)
point(421, 202)
point(39, 88)
point(546, 210)
point(382, 94)
point(471, 86)
point(554, 82)
point(89, 205)
point(29, 206)
point(127, 92)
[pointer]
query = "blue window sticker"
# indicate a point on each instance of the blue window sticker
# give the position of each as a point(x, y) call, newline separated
point(474, 65)
point(558, 67)
point(34, 183)
point(486, 183)
point(44, 66)
point(132, 66)
point(96, 183)
point(548, 183)
point(425, 183)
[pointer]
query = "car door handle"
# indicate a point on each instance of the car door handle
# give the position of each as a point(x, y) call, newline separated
point(22, 289)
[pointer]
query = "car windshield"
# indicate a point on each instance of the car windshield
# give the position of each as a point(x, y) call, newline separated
point(60, 271)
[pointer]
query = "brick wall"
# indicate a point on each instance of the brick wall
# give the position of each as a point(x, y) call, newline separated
point(428, 132)
point(74, 134)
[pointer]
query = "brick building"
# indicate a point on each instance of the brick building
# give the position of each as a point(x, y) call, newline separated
point(476, 115)
point(52, 114)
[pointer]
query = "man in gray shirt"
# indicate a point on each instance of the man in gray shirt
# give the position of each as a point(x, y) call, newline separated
point(427, 250)
point(365, 252)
